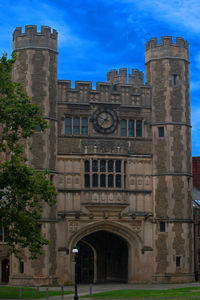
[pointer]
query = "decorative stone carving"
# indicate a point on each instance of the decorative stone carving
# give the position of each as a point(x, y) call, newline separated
point(136, 225)
point(73, 226)
point(95, 197)
point(105, 146)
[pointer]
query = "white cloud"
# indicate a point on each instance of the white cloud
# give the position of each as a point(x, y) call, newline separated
point(184, 12)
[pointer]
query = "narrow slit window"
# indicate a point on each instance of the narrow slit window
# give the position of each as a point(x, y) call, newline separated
point(21, 267)
point(175, 79)
point(178, 261)
point(161, 132)
point(162, 227)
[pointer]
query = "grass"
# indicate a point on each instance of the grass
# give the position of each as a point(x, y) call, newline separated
point(8, 292)
point(192, 292)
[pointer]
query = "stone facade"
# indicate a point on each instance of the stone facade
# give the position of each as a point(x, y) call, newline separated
point(196, 213)
point(120, 157)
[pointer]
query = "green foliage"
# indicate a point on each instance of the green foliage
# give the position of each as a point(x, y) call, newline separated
point(23, 191)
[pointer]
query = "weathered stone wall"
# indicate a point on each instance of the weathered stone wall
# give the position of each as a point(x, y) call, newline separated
point(167, 74)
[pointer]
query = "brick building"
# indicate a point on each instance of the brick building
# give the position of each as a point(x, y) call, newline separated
point(120, 157)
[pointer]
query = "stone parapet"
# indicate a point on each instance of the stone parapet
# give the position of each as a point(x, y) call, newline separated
point(166, 49)
point(125, 94)
point(31, 38)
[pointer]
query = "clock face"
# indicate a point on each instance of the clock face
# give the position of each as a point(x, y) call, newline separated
point(105, 120)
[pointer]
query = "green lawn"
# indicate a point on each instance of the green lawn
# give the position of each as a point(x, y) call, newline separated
point(26, 293)
point(180, 292)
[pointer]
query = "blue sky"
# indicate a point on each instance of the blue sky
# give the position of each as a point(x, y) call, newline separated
point(96, 36)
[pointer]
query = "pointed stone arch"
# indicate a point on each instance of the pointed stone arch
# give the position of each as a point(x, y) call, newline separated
point(132, 239)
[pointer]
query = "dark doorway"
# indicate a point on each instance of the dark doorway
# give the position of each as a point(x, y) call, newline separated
point(85, 263)
point(5, 270)
point(111, 257)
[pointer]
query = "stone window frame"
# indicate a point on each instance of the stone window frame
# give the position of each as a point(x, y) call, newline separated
point(178, 261)
point(76, 121)
point(100, 175)
point(161, 132)
point(162, 226)
point(131, 131)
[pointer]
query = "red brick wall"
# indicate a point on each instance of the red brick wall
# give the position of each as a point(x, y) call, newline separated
point(196, 171)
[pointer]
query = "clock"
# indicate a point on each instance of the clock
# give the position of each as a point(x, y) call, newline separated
point(105, 120)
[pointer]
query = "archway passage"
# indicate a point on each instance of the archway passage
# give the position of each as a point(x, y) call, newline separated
point(109, 263)
point(85, 263)
point(5, 270)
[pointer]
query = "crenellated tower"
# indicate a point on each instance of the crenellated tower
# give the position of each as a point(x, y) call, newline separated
point(36, 69)
point(167, 72)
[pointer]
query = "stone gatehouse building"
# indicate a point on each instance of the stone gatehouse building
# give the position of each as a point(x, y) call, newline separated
point(120, 157)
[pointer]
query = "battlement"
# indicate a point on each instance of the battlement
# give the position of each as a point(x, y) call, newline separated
point(136, 78)
point(167, 48)
point(166, 40)
point(31, 38)
point(105, 92)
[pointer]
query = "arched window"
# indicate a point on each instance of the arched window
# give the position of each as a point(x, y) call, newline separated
point(103, 180)
point(118, 181)
point(95, 180)
point(110, 180)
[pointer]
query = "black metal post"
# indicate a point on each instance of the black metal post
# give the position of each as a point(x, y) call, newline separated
point(76, 276)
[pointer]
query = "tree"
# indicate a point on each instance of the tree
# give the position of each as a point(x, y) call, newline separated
point(23, 191)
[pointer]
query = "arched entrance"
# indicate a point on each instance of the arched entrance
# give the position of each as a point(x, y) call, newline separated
point(109, 263)
point(5, 270)
point(85, 263)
